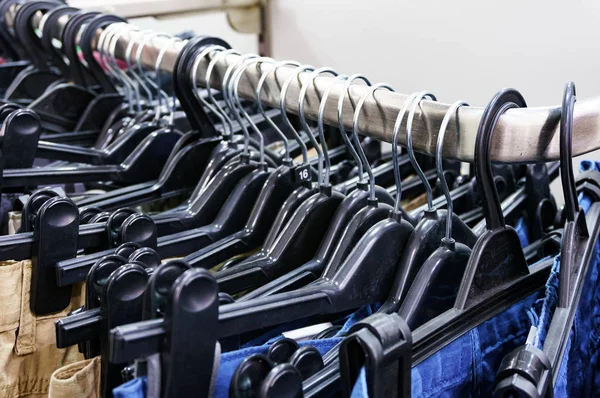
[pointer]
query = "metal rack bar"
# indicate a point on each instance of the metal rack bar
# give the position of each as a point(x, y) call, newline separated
point(522, 135)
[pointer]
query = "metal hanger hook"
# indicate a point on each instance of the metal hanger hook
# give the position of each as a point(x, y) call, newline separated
point(396, 130)
point(261, 82)
point(159, 60)
point(228, 96)
point(452, 111)
point(322, 153)
point(320, 123)
point(341, 127)
point(130, 67)
point(159, 91)
point(282, 100)
point(236, 85)
point(130, 83)
point(409, 145)
point(359, 151)
point(103, 49)
point(200, 98)
point(209, 70)
point(138, 56)
point(359, 106)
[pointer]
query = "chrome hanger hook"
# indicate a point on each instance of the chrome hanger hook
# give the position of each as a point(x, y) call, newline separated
point(397, 176)
point(411, 153)
point(440, 167)
point(340, 109)
point(359, 105)
point(200, 98)
point(228, 94)
point(209, 70)
point(103, 49)
point(320, 122)
point(130, 67)
point(341, 127)
point(282, 101)
point(261, 82)
point(236, 85)
point(159, 60)
point(322, 154)
point(130, 83)
point(138, 56)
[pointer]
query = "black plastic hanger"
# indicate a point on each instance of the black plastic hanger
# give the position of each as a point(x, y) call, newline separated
point(143, 164)
point(9, 43)
point(281, 196)
point(497, 274)
point(35, 79)
point(19, 135)
point(299, 239)
point(436, 282)
point(361, 202)
point(363, 278)
point(536, 374)
point(429, 232)
point(121, 303)
point(62, 105)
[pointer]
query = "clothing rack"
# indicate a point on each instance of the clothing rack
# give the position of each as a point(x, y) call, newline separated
point(526, 135)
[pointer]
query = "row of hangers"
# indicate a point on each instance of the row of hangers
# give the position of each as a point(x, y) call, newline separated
point(299, 244)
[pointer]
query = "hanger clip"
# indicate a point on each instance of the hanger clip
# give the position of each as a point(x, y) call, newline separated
point(522, 372)
point(382, 344)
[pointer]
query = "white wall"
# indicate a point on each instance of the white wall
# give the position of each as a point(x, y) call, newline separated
point(466, 49)
point(457, 49)
point(212, 23)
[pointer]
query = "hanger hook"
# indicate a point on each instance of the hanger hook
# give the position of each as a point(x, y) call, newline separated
point(138, 56)
point(397, 176)
point(103, 49)
point(228, 94)
point(261, 82)
point(209, 70)
point(194, 72)
point(130, 67)
point(359, 105)
point(236, 84)
point(112, 48)
point(341, 127)
point(160, 94)
point(323, 154)
point(169, 43)
point(361, 154)
point(503, 101)
point(440, 166)
point(566, 157)
point(409, 145)
point(320, 123)
point(282, 101)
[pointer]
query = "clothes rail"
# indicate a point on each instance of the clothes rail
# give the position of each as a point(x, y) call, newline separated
point(526, 135)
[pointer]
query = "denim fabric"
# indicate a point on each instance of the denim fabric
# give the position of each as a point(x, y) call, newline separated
point(135, 388)
point(577, 375)
point(467, 366)
point(475, 357)
point(521, 229)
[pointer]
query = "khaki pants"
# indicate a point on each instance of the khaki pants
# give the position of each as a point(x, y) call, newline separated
point(79, 379)
point(28, 353)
